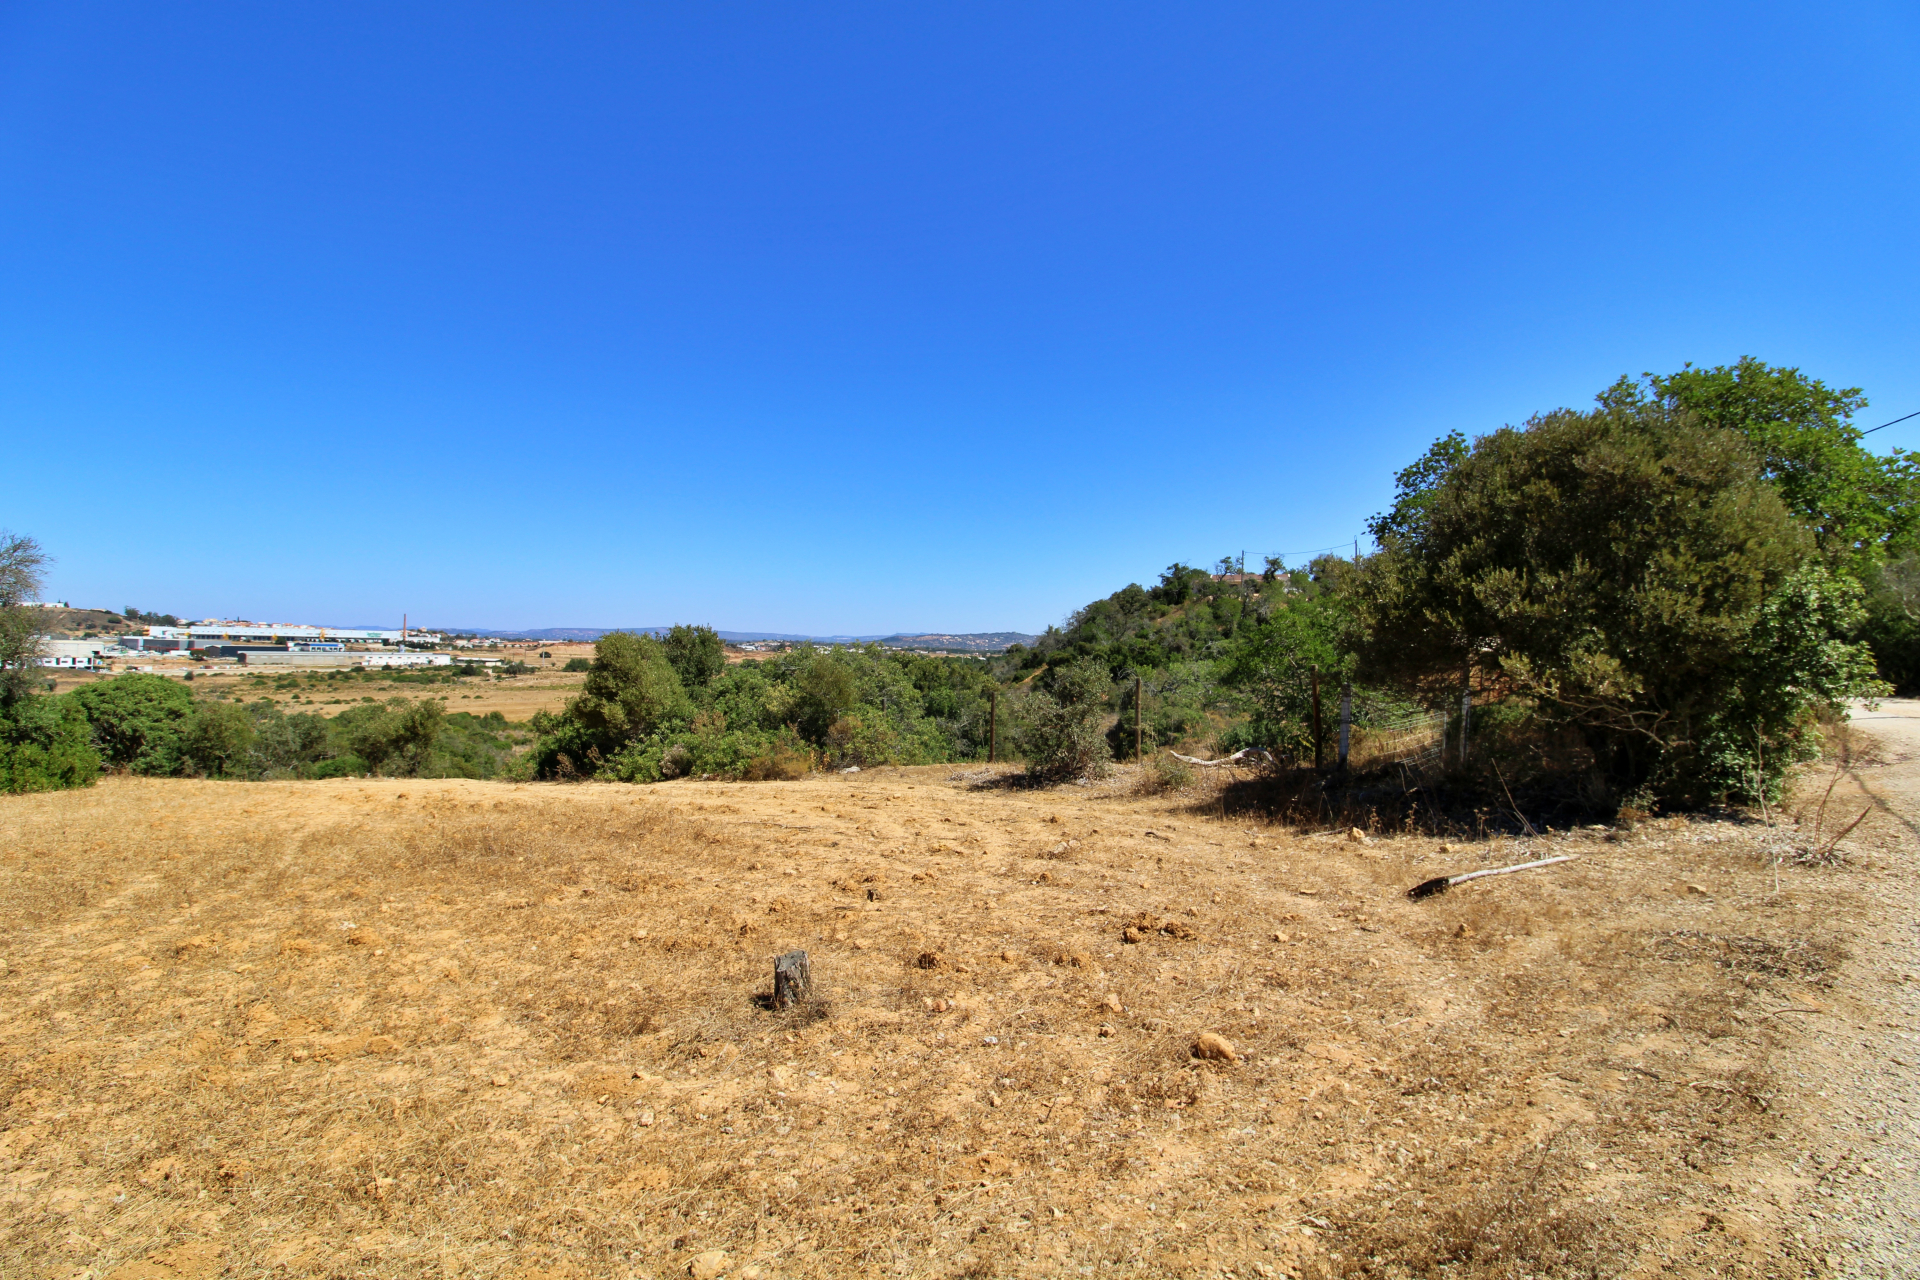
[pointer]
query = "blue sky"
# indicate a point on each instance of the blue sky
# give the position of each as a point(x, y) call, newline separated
point(849, 319)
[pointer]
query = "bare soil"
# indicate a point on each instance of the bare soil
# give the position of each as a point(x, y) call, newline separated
point(461, 1028)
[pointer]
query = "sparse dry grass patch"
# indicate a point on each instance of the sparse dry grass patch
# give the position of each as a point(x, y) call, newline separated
point(425, 1028)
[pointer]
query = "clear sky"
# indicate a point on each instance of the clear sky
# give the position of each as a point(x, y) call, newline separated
point(844, 319)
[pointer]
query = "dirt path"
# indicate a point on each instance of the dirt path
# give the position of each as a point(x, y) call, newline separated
point(1871, 1155)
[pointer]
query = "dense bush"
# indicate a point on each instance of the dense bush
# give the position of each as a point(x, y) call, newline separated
point(638, 720)
point(45, 745)
point(1062, 735)
point(151, 725)
point(1892, 625)
point(137, 720)
point(1630, 575)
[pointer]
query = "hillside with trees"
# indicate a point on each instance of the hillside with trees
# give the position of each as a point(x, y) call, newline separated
point(1653, 601)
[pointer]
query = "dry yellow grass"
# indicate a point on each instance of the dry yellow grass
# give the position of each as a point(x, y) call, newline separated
point(456, 1028)
point(516, 698)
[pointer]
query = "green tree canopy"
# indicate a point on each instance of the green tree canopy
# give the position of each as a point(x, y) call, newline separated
point(137, 720)
point(1616, 567)
point(696, 655)
point(1858, 504)
point(218, 739)
point(1273, 662)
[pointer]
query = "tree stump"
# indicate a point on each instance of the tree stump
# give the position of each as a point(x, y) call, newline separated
point(792, 980)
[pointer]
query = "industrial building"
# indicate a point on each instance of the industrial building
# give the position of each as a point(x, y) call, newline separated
point(201, 635)
point(83, 654)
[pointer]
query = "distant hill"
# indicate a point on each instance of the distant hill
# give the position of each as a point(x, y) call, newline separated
point(969, 642)
point(71, 624)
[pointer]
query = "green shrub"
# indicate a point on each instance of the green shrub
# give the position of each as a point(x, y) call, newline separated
point(696, 655)
point(396, 737)
point(137, 720)
point(1062, 735)
point(218, 740)
point(1631, 575)
point(1165, 773)
point(46, 745)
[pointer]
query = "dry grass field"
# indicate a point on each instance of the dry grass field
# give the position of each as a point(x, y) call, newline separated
point(516, 698)
point(405, 1028)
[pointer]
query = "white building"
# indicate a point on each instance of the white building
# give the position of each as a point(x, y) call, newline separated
point(87, 655)
point(199, 634)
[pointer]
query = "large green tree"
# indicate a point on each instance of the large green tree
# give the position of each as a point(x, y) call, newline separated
point(1274, 662)
point(137, 720)
point(1859, 505)
point(1627, 571)
point(695, 654)
point(631, 691)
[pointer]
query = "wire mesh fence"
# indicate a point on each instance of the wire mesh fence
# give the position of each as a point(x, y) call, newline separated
point(1415, 738)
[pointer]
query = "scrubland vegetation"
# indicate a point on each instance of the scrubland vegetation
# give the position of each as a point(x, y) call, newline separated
point(1155, 1021)
point(1651, 603)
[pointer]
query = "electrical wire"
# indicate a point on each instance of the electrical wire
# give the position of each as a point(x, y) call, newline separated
point(1883, 426)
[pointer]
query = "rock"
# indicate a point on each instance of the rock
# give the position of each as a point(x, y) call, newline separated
point(705, 1266)
point(1280, 935)
point(1106, 1029)
point(1446, 848)
point(1208, 1045)
point(1356, 836)
point(1011, 957)
point(939, 1006)
point(644, 1119)
point(1694, 888)
point(1131, 935)
point(930, 960)
point(502, 1080)
point(1464, 930)
point(1112, 1002)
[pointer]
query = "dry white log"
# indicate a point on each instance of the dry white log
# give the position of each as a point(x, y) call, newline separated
point(1440, 884)
point(1235, 758)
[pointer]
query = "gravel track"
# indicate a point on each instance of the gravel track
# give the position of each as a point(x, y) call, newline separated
point(1867, 1200)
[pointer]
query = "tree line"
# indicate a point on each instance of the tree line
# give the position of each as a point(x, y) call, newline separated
point(1654, 600)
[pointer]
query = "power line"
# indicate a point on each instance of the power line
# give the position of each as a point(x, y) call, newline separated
point(1883, 426)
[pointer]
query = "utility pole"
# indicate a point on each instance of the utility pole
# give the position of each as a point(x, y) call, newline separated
point(1346, 721)
point(1135, 716)
point(1316, 717)
point(1466, 704)
point(993, 724)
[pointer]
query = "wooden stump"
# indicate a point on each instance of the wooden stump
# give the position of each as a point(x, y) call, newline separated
point(792, 980)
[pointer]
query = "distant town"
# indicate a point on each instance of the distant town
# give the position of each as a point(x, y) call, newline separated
point(133, 640)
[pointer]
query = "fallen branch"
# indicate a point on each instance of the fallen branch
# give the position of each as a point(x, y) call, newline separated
point(1215, 764)
point(1440, 884)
